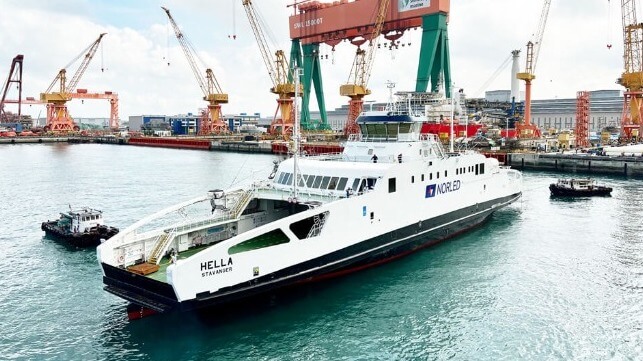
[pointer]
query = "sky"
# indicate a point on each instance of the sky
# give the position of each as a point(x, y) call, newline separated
point(141, 60)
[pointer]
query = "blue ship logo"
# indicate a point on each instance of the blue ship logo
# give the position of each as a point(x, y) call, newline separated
point(442, 188)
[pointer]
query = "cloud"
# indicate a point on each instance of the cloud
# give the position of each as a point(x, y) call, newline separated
point(139, 44)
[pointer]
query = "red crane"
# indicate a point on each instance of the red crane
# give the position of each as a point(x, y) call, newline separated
point(15, 76)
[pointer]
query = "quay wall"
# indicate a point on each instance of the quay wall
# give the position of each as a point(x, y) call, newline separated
point(242, 146)
point(573, 163)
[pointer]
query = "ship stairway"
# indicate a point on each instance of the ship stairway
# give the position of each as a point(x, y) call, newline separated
point(241, 204)
point(435, 147)
point(160, 246)
point(318, 224)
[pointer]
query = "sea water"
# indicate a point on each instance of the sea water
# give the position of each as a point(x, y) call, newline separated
point(542, 279)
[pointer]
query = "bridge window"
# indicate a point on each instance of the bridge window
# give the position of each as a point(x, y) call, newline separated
point(324, 183)
point(318, 181)
point(392, 130)
point(412, 179)
point(481, 168)
point(309, 181)
point(333, 183)
point(342, 183)
point(355, 184)
point(391, 185)
point(422, 178)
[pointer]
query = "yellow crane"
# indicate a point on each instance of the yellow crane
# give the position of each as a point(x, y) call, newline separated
point(526, 129)
point(632, 77)
point(212, 120)
point(280, 74)
point(356, 88)
point(58, 118)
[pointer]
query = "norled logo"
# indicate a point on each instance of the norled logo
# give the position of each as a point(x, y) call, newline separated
point(446, 187)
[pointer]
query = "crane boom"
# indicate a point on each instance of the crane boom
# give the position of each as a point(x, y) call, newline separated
point(211, 122)
point(66, 88)
point(208, 85)
point(357, 86)
point(279, 71)
point(539, 35)
point(363, 72)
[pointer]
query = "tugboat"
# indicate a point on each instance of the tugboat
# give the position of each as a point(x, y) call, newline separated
point(80, 228)
point(584, 187)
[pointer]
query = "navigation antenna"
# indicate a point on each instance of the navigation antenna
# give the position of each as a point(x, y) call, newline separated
point(391, 103)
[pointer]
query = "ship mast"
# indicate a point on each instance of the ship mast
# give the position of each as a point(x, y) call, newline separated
point(297, 136)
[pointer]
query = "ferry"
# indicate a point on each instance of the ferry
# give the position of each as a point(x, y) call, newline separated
point(390, 192)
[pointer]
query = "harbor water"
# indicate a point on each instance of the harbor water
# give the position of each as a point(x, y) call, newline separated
point(543, 279)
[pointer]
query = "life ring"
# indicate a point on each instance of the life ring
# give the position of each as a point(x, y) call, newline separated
point(121, 259)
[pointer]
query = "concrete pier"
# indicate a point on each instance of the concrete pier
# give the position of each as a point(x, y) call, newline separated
point(578, 163)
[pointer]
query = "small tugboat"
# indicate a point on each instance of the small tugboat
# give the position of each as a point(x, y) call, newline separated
point(81, 228)
point(583, 187)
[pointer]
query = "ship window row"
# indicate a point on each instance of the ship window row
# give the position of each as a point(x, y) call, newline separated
point(313, 181)
point(89, 218)
point(478, 169)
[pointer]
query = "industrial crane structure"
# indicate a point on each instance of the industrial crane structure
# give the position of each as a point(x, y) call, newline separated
point(212, 120)
point(113, 103)
point(15, 76)
point(58, 118)
point(280, 74)
point(526, 129)
point(632, 77)
point(582, 119)
point(357, 86)
point(331, 23)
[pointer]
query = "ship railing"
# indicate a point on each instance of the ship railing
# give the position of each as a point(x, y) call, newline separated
point(325, 156)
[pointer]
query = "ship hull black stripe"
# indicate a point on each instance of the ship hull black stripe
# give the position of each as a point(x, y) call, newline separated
point(373, 251)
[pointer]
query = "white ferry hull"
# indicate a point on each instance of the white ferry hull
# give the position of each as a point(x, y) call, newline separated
point(160, 297)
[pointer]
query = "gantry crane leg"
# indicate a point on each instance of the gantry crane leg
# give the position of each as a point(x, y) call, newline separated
point(434, 55)
point(58, 119)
